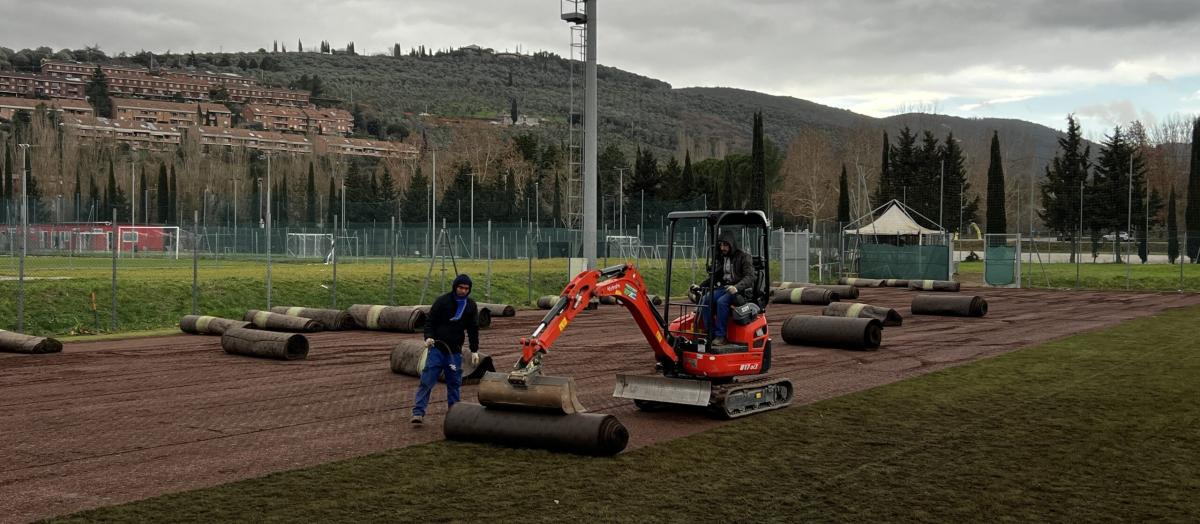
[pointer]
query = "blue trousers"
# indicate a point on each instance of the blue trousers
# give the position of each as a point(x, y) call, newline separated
point(437, 363)
point(724, 301)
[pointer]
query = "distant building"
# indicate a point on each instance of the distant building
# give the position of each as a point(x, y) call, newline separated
point(363, 147)
point(10, 105)
point(244, 94)
point(299, 120)
point(62, 68)
point(210, 137)
point(172, 113)
point(138, 135)
point(120, 84)
point(41, 86)
point(212, 78)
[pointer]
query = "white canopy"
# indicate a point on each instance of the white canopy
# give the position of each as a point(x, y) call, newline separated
point(894, 221)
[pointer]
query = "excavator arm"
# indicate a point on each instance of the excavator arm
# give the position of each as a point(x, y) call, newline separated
point(623, 282)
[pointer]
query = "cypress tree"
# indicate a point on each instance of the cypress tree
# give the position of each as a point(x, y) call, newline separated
point(164, 195)
point(143, 206)
point(687, 178)
point(1191, 214)
point(173, 199)
point(416, 199)
point(5, 192)
point(843, 209)
point(310, 197)
point(997, 222)
point(331, 209)
point(97, 93)
point(728, 200)
point(78, 194)
point(93, 198)
point(388, 195)
point(1172, 228)
point(758, 166)
point(886, 184)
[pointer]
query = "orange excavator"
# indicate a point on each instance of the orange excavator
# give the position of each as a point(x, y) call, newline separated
point(728, 379)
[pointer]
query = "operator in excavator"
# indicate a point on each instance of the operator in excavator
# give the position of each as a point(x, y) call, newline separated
point(731, 276)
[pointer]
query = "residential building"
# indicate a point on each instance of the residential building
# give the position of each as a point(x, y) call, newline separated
point(243, 94)
point(138, 135)
point(61, 68)
point(172, 113)
point(299, 120)
point(210, 137)
point(211, 77)
point(157, 87)
point(363, 147)
point(41, 86)
point(10, 105)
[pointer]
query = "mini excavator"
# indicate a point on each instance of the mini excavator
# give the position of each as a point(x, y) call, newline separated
point(729, 379)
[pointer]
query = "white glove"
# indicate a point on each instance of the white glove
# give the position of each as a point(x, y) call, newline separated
point(474, 358)
point(732, 290)
point(429, 342)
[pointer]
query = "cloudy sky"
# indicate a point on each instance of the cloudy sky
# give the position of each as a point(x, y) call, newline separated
point(1107, 61)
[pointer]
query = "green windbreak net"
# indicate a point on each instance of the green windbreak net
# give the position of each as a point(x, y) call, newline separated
point(904, 262)
point(1000, 267)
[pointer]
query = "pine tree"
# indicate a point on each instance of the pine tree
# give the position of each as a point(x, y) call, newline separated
point(388, 194)
point(1065, 177)
point(758, 167)
point(97, 94)
point(1191, 214)
point(1172, 228)
point(1120, 174)
point(416, 199)
point(843, 210)
point(904, 166)
point(997, 221)
point(728, 199)
point(396, 51)
point(310, 197)
point(116, 197)
point(687, 178)
point(959, 210)
point(164, 197)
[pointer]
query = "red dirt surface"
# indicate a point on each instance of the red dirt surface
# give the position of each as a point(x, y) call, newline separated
point(109, 422)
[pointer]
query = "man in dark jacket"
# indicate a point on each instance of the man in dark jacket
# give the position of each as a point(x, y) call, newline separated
point(450, 316)
point(732, 275)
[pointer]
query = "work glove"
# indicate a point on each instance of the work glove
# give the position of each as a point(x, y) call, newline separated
point(474, 358)
point(429, 342)
point(732, 290)
point(694, 294)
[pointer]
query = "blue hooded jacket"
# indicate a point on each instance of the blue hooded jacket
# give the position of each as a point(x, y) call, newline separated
point(450, 317)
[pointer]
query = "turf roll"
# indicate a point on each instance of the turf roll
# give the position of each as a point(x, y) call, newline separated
point(895, 282)
point(408, 358)
point(886, 315)
point(405, 319)
point(934, 285)
point(812, 296)
point(547, 301)
point(499, 310)
point(839, 332)
point(332, 319)
point(841, 292)
point(595, 434)
point(11, 342)
point(950, 305)
point(278, 322)
point(483, 317)
point(789, 285)
point(860, 282)
point(264, 344)
point(206, 325)
point(607, 300)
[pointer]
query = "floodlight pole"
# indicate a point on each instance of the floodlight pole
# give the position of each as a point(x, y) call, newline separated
point(268, 230)
point(589, 140)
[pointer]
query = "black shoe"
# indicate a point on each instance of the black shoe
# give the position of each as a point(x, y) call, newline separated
point(720, 341)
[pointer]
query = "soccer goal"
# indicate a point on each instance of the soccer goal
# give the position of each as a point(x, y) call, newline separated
point(148, 240)
point(309, 245)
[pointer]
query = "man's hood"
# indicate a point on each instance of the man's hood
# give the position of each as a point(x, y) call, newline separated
point(728, 236)
point(462, 279)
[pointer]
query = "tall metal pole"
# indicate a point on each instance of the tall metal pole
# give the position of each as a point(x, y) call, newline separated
point(942, 196)
point(195, 265)
point(236, 197)
point(473, 255)
point(268, 230)
point(1128, 219)
point(392, 268)
point(589, 140)
point(621, 211)
point(132, 198)
point(1079, 237)
point(112, 321)
point(432, 206)
point(24, 237)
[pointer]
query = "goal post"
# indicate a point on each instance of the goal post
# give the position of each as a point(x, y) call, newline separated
point(309, 245)
point(149, 240)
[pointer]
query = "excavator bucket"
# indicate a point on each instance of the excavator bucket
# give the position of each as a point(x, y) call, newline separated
point(538, 393)
point(663, 389)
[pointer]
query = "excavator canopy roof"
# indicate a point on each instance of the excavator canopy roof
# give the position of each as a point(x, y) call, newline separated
point(739, 217)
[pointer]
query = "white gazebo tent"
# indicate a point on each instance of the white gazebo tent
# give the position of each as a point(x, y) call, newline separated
point(896, 220)
point(892, 242)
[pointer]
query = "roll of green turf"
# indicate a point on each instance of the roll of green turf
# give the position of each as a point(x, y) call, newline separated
point(607, 300)
point(895, 282)
point(277, 322)
point(841, 292)
point(949, 305)
point(812, 296)
point(404, 319)
point(498, 310)
point(789, 285)
point(483, 317)
point(408, 358)
point(838, 332)
point(264, 344)
point(206, 325)
point(886, 315)
point(11, 342)
point(934, 285)
point(582, 433)
point(860, 282)
point(332, 319)
point(547, 301)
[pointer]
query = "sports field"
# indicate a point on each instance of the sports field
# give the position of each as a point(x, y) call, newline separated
point(1083, 427)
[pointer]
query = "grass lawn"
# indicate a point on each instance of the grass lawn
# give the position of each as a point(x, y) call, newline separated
point(1144, 277)
point(1097, 427)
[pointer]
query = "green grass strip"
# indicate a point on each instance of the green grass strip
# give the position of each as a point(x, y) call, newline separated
point(1097, 427)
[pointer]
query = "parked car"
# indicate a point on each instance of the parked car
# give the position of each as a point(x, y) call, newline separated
point(1113, 236)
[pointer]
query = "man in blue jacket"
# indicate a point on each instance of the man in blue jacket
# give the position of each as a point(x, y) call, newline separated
point(450, 316)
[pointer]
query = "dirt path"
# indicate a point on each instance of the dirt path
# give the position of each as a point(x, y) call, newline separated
point(115, 421)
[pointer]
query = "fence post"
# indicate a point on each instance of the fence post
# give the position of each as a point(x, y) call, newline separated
point(112, 321)
point(333, 290)
point(529, 276)
point(392, 268)
point(488, 291)
point(195, 263)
